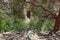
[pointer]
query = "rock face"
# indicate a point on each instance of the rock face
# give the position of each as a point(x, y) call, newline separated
point(27, 35)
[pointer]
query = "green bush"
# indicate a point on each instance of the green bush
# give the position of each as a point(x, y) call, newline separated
point(48, 25)
point(20, 25)
point(6, 22)
point(42, 24)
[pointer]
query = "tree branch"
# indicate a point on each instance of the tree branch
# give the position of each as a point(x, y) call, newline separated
point(42, 8)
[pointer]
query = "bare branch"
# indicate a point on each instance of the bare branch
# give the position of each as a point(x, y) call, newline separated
point(51, 13)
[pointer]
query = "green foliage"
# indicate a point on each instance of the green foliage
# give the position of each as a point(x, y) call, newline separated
point(0, 6)
point(13, 23)
point(6, 22)
point(48, 25)
point(42, 25)
point(35, 24)
point(20, 25)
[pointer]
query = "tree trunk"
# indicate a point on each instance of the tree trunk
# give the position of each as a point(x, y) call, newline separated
point(57, 22)
point(57, 19)
point(56, 26)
